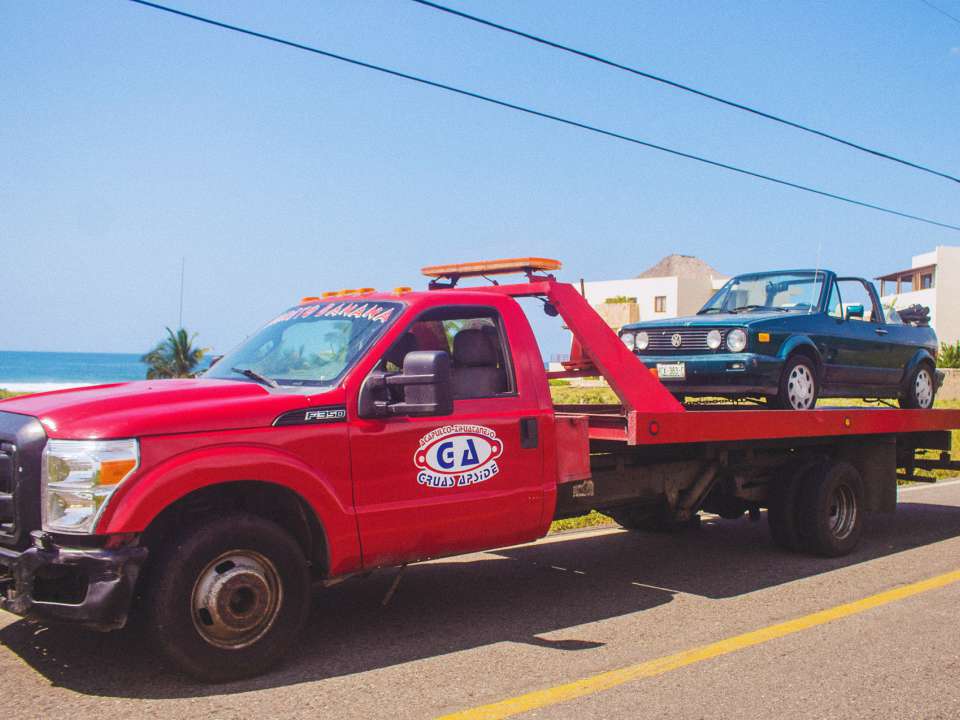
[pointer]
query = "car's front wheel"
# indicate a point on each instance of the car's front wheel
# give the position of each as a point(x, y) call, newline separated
point(799, 386)
point(921, 389)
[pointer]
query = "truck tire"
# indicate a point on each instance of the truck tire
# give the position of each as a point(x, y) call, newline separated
point(920, 389)
point(830, 518)
point(643, 517)
point(782, 511)
point(227, 597)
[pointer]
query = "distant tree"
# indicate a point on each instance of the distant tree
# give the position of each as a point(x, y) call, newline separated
point(174, 357)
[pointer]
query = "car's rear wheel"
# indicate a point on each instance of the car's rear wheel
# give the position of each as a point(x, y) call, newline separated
point(921, 388)
point(799, 386)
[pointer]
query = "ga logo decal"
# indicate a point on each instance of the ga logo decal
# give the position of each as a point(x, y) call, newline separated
point(457, 455)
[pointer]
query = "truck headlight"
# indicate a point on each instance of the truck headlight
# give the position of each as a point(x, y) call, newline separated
point(629, 339)
point(736, 340)
point(642, 341)
point(77, 478)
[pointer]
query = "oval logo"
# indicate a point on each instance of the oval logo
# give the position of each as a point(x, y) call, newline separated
point(457, 455)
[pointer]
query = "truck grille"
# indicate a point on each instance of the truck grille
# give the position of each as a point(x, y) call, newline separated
point(691, 340)
point(21, 444)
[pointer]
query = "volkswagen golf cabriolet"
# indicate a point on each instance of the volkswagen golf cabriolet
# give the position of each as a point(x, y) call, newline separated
point(791, 337)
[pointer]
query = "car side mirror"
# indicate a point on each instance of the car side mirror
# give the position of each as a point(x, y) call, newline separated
point(854, 311)
point(425, 384)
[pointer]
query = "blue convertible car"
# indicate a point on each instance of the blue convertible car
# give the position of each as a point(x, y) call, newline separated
point(791, 337)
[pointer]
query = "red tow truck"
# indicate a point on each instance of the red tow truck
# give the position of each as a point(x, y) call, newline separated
point(363, 429)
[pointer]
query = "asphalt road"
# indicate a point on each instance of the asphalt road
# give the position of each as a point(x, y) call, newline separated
point(475, 630)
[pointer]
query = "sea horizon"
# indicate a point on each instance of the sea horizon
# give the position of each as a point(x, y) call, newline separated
point(41, 371)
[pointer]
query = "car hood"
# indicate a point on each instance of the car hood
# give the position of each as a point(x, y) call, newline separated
point(711, 320)
point(157, 407)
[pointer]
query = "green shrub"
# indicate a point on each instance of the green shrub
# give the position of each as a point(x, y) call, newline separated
point(949, 355)
point(620, 300)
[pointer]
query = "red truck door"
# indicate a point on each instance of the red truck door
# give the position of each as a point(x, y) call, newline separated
point(432, 486)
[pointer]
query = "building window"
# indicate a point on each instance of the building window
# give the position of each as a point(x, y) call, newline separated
point(660, 304)
point(926, 281)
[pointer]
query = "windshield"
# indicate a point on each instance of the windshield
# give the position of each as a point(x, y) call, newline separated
point(786, 292)
point(307, 346)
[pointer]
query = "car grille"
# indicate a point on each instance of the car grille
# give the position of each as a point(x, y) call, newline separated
point(21, 443)
point(691, 340)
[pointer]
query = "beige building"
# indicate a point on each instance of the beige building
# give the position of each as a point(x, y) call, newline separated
point(677, 285)
point(933, 280)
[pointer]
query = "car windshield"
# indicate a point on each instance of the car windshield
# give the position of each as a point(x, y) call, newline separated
point(797, 291)
point(307, 346)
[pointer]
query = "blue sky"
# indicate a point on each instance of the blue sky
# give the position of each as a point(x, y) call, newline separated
point(132, 138)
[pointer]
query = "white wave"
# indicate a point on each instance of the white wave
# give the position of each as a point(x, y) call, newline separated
point(38, 387)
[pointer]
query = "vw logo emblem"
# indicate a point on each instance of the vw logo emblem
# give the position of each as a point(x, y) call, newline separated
point(676, 340)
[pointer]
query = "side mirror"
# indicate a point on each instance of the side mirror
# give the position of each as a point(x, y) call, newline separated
point(854, 311)
point(425, 383)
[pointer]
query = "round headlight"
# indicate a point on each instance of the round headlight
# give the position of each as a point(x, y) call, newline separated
point(628, 340)
point(642, 341)
point(714, 338)
point(736, 340)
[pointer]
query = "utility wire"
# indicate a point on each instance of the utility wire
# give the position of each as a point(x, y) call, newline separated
point(934, 7)
point(688, 88)
point(538, 113)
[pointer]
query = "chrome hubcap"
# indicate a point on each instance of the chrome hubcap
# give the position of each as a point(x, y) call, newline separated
point(843, 512)
point(801, 388)
point(923, 388)
point(236, 599)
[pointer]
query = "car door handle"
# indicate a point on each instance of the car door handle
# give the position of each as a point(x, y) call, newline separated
point(529, 433)
point(881, 331)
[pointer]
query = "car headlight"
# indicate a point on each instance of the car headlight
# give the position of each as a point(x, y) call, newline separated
point(736, 340)
point(642, 341)
point(714, 338)
point(77, 478)
point(628, 340)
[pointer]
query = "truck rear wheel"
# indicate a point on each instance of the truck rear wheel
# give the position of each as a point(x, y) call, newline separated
point(830, 518)
point(228, 597)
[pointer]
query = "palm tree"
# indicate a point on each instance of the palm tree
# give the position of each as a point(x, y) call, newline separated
point(174, 357)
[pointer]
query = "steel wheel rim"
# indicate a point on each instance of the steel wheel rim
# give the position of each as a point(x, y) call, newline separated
point(801, 388)
point(236, 599)
point(843, 512)
point(923, 388)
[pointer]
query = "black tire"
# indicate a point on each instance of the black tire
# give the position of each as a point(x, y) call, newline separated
point(830, 517)
point(914, 397)
point(783, 510)
point(259, 590)
point(797, 369)
point(642, 517)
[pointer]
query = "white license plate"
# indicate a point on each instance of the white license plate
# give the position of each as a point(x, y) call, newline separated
point(671, 371)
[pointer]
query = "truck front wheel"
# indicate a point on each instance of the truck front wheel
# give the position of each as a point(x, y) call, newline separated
point(226, 598)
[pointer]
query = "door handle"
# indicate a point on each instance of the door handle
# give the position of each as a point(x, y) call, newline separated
point(529, 433)
point(881, 331)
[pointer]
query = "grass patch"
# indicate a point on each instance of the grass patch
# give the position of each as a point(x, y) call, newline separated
point(594, 519)
point(4, 394)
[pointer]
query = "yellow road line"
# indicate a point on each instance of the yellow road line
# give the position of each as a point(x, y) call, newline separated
point(652, 668)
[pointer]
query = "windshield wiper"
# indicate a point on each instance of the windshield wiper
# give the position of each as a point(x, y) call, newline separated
point(710, 310)
point(757, 307)
point(254, 375)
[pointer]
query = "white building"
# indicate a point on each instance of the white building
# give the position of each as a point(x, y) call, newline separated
point(677, 285)
point(933, 280)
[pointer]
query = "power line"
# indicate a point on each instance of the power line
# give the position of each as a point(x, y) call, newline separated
point(931, 5)
point(538, 113)
point(687, 88)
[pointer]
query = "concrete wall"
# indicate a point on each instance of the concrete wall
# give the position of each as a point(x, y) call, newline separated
point(645, 290)
point(947, 287)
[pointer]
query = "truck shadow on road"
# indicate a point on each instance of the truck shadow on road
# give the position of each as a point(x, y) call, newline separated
point(517, 595)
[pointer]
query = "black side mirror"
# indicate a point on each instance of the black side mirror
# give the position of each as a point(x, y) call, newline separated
point(425, 382)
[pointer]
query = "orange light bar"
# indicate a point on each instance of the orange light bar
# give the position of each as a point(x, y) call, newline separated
point(309, 298)
point(491, 267)
point(330, 293)
point(364, 291)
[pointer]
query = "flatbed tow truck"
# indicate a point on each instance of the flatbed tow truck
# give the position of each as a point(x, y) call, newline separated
point(212, 507)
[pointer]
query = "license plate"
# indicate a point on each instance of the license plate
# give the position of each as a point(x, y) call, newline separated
point(671, 371)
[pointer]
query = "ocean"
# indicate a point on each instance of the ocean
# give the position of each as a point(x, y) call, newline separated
point(40, 371)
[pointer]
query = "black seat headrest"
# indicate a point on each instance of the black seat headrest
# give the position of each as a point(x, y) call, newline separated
point(406, 344)
point(473, 348)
